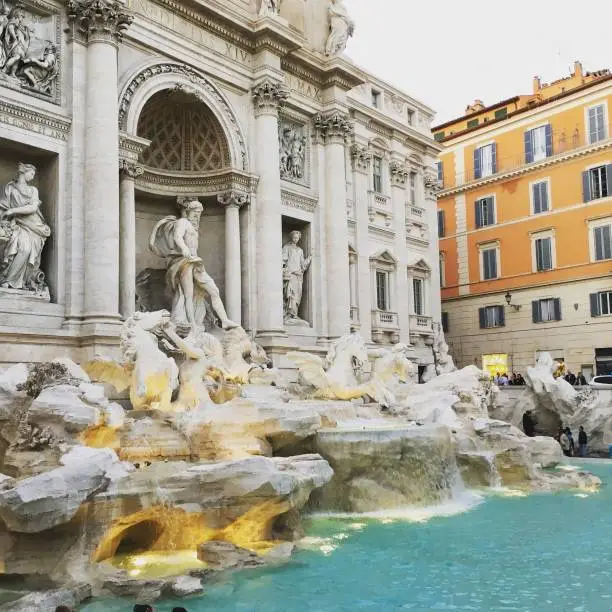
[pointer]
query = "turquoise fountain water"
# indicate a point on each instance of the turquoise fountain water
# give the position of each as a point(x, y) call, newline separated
point(543, 552)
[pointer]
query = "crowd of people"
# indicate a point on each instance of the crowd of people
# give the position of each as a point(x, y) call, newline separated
point(503, 380)
point(564, 436)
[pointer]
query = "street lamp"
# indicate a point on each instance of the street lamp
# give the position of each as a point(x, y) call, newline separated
point(508, 297)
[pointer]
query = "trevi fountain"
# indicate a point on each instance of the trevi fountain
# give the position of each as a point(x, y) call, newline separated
point(224, 378)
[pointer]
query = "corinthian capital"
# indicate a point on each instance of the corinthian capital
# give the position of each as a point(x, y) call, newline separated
point(128, 169)
point(268, 95)
point(334, 126)
point(398, 173)
point(361, 156)
point(100, 19)
point(233, 198)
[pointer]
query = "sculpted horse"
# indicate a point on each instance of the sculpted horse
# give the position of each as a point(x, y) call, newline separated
point(337, 377)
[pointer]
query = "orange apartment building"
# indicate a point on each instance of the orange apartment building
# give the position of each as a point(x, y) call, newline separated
point(525, 225)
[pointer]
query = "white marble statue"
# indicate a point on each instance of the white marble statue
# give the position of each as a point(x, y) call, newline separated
point(23, 231)
point(295, 265)
point(269, 7)
point(41, 73)
point(176, 240)
point(292, 153)
point(341, 28)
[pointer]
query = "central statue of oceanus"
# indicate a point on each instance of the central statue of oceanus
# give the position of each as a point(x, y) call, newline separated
point(176, 240)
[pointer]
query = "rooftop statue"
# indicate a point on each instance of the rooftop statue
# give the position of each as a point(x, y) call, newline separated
point(342, 28)
point(269, 7)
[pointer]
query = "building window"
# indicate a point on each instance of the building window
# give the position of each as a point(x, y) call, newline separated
point(489, 263)
point(418, 296)
point(543, 251)
point(539, 197)
point(413, 185)
point(382, 290)
point(546, 310)
point(501, 113)
point(491, 316)
point(410, 114)
point(377, 172)
point(597, 182)
point(442, 270)
point(440, 170)
point(485, 211)
point(441, 224)
point(601, 304)
point(445, 322)
point(375, 98)
point(597, 123)
point(602, 242)
point(485, 161)
point(538, 143)
point(439, 136)
point(472, 123)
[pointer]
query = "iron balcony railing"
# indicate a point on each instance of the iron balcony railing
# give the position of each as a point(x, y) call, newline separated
point(563, 141)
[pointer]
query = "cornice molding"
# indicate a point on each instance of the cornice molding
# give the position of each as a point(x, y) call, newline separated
point(300, 201)
point(38, 121)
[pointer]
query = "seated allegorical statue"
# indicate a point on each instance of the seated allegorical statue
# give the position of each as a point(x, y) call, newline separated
point(176, 240)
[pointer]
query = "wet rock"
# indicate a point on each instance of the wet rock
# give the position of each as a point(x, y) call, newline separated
point(47, 601)
point(223, 555)
point(185, 586)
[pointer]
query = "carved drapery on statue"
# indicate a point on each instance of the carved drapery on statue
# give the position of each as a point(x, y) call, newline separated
point(341, 27)
point(29, 47)
point(295, 265)
point(270, 8)
point(292, 151)
point(176, 240)
point(23, 233)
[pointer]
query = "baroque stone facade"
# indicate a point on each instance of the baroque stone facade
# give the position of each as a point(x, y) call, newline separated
point(127, 108)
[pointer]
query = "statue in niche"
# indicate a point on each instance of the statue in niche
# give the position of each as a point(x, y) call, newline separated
point(342, 28)
point(294, 267)
point(23, 233)
point(176, 240)
point(292, 153)
point(269, 7)
point(16, 55)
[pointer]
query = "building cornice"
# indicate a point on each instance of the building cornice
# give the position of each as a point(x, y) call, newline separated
point(34, 120)
point(553, 160)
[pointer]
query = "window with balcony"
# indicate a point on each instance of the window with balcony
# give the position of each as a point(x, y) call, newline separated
point(485, 161)
point(602, 242)
point(489, 257)
point(539, 197)
point(543, 252)
point(601, 303)
point(538, 143)
point(485, 211)
point(491, 316)
point(382, 290)
point(546, 310)
point(596, 119)
point(597, 182)
point(377, 173)
point(418, 296)
point(441, 224)
point(375, 98)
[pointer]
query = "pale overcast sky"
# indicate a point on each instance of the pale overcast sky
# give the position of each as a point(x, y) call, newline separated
point(448, 53)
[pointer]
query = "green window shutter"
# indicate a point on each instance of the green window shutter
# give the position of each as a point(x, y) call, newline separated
point(501, 113)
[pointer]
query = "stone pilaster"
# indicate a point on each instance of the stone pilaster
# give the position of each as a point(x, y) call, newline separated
point(333, 128)
point(101, 23)
point(399, 175)
point(233, 201)
point(128, 173)
point(268, 95)
point(361, 161)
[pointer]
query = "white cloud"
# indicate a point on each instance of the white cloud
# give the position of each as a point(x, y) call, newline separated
point(449, 53)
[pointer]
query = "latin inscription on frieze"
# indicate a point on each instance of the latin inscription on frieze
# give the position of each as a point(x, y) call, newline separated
point(303, 87)
point(189, 30)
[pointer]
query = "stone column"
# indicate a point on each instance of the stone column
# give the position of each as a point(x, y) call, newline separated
point(399, 179)
point(101, 24)
point(267, 96)
point(128, 172)
point(233, 200)
point(334, 127)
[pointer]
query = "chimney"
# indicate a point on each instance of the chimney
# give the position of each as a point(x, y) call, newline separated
point(578, 72)
point(537, 84)
point(474, 108)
